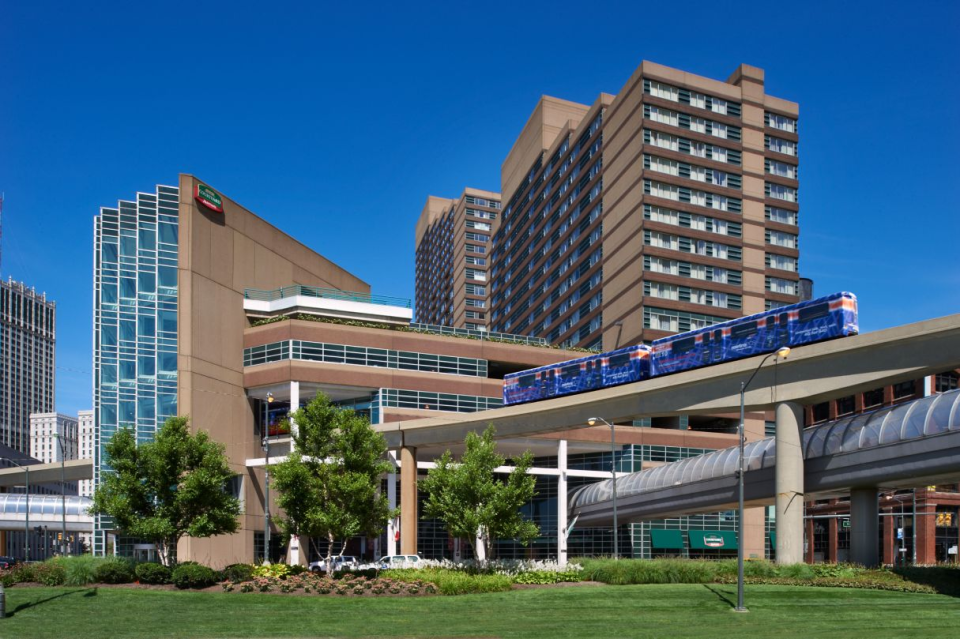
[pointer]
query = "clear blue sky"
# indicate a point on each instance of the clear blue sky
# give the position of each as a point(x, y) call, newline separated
point(335, 124)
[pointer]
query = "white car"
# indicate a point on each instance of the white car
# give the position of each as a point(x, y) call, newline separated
point(343, 562)
point(398, 561)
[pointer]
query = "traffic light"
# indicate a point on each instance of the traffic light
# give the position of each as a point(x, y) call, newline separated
point(59, 536)
point(38, 529)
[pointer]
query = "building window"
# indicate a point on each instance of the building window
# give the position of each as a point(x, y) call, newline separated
point(778, 238)
point(782, 216)
point(782, 286)
point(873, 398)
point(781, 169)
point(780, 192)
point(782, 262)
point(781, 122)
point(904, 390)
point(777, 145)
point(946, 382)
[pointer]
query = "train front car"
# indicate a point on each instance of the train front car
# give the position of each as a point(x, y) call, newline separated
point(525, 386)
point(625, 365)
point(577, 375)
point(822, 319)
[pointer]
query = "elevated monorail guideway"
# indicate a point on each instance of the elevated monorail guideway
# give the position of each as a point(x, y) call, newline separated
point(812, 374)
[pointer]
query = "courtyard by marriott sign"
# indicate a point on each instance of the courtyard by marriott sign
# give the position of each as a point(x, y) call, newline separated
point(713, 541)
point(209, 198)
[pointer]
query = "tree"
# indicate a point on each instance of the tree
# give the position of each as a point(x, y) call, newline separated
point(473, 502)
point(329, 485)
point(162, 490)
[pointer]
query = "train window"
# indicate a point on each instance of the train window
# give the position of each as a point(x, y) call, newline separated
point(526, 381)
point(815, 311)
point(570, 371)
point(683, 345)
point(783, 319)
point(743, 330)
point(619, 360)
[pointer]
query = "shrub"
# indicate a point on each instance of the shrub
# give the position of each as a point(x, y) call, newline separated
point(50, 573)
point(193, 576)
point(453, 582)
point(795, 571)
point(114, 570)
point(297, 569)
point(153, 573)
point(23, 573)
point(237, 573)
point(80, 570)
point(277, 571)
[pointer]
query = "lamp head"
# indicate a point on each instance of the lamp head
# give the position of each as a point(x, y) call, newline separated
point(270, 395)
point(592, 421)
point(783, 351)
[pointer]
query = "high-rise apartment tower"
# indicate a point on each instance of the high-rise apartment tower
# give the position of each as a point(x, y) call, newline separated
point(28, 336)
point(668, 207)
point(453, 241)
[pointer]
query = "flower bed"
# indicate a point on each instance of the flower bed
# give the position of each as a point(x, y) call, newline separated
point(346, 586)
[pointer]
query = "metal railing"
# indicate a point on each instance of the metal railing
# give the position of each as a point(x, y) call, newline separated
point(481, 335)
point(326, 293)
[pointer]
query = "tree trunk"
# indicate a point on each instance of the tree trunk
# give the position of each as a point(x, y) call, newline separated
point(480, 547)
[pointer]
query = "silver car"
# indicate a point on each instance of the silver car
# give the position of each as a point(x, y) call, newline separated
point(341, 562)
point(398, 561)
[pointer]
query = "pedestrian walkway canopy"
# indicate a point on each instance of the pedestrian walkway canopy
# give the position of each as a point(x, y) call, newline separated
point(45, 510)
point(914, 443)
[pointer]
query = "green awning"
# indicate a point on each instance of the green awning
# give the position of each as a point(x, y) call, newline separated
point(773, 539)
point(669, 539)
point(712, 539)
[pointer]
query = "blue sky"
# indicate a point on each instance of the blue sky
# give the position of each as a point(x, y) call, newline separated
point(335, 123)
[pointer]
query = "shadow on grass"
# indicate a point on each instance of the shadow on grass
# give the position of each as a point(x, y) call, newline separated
point(720, 595)
point(33, 604)
point(945, 581)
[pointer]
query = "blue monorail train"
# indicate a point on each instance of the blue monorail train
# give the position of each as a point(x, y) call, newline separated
point(804, 323)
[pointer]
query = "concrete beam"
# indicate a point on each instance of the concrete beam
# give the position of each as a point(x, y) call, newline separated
point(811, 374)
point(73, 470)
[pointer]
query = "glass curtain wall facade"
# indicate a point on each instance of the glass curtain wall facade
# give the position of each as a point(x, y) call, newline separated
point(135, 326)
point(27, 361)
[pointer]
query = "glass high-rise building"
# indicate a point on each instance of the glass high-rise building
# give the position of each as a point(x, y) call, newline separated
point(135, 321)
point(28, 335)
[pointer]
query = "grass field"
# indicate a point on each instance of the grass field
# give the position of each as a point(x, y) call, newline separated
point(579, 611)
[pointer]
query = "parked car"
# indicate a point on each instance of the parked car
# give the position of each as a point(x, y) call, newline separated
point(8, 562)
point(343, 562)
point(398, 561)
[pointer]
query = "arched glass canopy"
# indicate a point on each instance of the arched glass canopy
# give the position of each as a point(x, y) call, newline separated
point(926, 417)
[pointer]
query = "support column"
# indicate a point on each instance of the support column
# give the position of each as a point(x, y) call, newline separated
point(294, 405)
point(864, 526)
point(808, 555)
point(295, 554)
point(392, 528)
point(408, 500)
point(562, 503)
point(832, 532)
point(789, 484)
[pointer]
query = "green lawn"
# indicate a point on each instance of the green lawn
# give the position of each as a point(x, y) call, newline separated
point(581, 611)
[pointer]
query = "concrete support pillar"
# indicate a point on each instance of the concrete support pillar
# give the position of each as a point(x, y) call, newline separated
point(392, 528)
point(832, 533)
point(789, 484)
point(294, 405)
point(562, 503)
point(808, 555)
point(864, 526)
point(408, 500)
point(926, 526)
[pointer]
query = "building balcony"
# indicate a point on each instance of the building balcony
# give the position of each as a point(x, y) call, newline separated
point(327, 302)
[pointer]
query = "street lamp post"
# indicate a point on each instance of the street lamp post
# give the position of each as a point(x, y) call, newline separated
point(782, 353)
point(26, 525)
point(266, 479)
point(63, 494)
point(613, 473)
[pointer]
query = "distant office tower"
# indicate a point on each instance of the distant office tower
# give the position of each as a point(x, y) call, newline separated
point(27, 361)
point(88, 440)
point(47, 431)
point(668, 207)
point(135, 319)
point(453, 258)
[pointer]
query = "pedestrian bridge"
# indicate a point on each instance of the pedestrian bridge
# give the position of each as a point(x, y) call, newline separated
point(45, 510)
point(909, 445)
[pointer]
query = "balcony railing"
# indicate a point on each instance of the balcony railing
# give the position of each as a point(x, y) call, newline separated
point(327, 293)
point(481, 335)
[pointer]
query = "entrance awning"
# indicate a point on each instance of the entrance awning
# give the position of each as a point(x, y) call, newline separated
point(667, 539)
point(712, 539)
point(773, 539)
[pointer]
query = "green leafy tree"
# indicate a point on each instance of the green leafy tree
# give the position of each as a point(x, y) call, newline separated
point(162, 490)
point(330, 484)
point(473, 502)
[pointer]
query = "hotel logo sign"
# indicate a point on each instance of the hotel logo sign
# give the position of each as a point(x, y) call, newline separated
point(209, 198)
point(713, 541)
